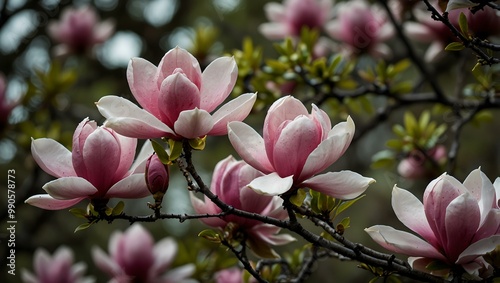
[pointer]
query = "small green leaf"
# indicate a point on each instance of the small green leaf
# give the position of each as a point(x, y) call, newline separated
point(78, 212)
point(175, 149)
point(198, 143)
point(454, 46)
point(464, 27)
point(298, 198)
point(160, 151)
point(83, 226)
point(118, 209)
point(210, 235)
point(347, 203)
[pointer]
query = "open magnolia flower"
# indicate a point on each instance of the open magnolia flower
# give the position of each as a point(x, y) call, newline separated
point(177, 98)
point(229, 183)
point(458, 223)
point(100, 166)
point(134, 257)
point(79, 30)
point(56, 268)
point(361, 28)
point(296, 146)
point(289, 18)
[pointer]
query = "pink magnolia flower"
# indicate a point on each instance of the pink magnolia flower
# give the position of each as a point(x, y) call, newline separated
point(416, 165)
point(458, 223)
point(133, 257)
point(229, 183)
point(99, 167)
point(56, 268)
point(230, 275)
point(295, 147)
point(289, 18)
point(79, 30)
point(361, 28)
point(177, 98)
point(5, 105)
point(482, 24)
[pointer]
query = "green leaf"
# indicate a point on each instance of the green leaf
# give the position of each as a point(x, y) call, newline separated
point(78, 212)
point(423, 121)
point(160, 151)
point(347, 203)
point(210, 235)
point(83, 226)
point(118, 209)
point(454, 46)
point(298, 198)
point(464, 27)
point(198, 143)
point(410, 123)
point(175, 149)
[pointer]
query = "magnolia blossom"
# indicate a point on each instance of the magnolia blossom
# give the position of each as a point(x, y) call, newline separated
point(230, 275)
point(177, 98)
point(289, 18)
point(458, 223)
point(5, 105)
point(361, 28)
point(157, 175)
point(99, 167)
point(416, 165)
point(135, 258)
point(79, 30)
point(56, 268)
point(229, 183)
point(482, 24)
point(296, 146)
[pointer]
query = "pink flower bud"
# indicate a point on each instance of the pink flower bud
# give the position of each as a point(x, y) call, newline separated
point(157, 175)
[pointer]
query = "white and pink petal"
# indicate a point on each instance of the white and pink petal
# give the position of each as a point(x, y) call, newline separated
point(342, 185)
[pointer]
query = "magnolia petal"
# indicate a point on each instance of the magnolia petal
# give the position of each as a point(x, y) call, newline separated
point(45, 201)
point(193, 124)
point(420, 263)
point(462, 218)
point(329, 150)
point(410, 211)
point(268, 233)
point(142, 82)
point(342, 185)
point(129, 120)
point(133, 186)
point(218, 81)
point(206, 207)
point(479, 248)
point(52, 157)
point(139, 165)
point(235, 110)
point(434, 52)
point(334, 29)
point(272, 184)
point(274, 31)
point(179, 58)
point(164, 254)
point(275, 12)
point(127, 153)
point(180, 274)
point(482, 189)
point(105, 263)
point(249, 145)
point(419, 32)
point(67, 188)
point(402, 242)
point(457, 4)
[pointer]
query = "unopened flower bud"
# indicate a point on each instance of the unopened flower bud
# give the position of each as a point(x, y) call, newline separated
point(157, 177)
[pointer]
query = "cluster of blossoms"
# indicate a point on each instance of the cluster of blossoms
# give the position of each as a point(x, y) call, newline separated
point(133, 258)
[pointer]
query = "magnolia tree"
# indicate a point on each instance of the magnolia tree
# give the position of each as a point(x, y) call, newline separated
point(286, 189)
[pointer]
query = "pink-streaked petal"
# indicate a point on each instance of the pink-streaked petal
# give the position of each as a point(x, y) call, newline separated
point(129, 120)
point(52, 157)
point(322, 118)
point(402, 242)
point(142, 82)
point(235, 110)
point(182, 59)
point(341, 185)
point(164, 254)
point(420, 264)
point(42, 263)
point(329, 150)
point(272, 184)
point(294, 145)
point(410, 211)
point(193, 124)
point(127, 153)
point(462, 218)
point(274, 31)
point(218, 81)
point(105, 263)
point(103, 31)
point(268, 233)
point(479, 248)
point(489, 226)
point(139, 165)
point(133, 186)
point(482, 189)
point(249, 145)
point(101, 173)
point(68, 188)
point(275, 12)
point(177, 94)
point(82, 131)
point(252, 201)
point(207, 207)
point(45, 201)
